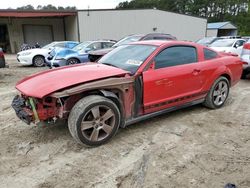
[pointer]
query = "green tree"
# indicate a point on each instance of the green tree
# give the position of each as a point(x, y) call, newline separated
point(236, 11)
point(27, 7)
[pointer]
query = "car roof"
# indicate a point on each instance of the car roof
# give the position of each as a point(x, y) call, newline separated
point(92, 41)
point(163, 42)
point(225, 39)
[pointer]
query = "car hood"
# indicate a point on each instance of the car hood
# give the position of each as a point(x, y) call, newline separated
point(101, 52)
point(62, 52)
point(47, 82)
point(35, 51)
point(221, 49)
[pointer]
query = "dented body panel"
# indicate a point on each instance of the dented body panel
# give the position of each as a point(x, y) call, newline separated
point(44, 83)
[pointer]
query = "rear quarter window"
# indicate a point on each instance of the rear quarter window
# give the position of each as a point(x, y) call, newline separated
point(209, 54)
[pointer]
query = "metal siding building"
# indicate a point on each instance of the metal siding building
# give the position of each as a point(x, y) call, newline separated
point(115, 24)
point(219, 29)
point(17, 27)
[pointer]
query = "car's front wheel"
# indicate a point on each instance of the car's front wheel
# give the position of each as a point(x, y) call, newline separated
point(218, 93)
point(94, 120)
point(72, 61)
point(39, 61)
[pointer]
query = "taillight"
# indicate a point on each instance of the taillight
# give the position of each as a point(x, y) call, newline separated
point(1, 54)
point(246, 49)
point(246, 46)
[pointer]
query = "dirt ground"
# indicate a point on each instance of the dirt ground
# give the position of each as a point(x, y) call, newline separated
point(193, 147)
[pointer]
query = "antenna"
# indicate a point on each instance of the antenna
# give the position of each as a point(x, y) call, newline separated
point(88, 11)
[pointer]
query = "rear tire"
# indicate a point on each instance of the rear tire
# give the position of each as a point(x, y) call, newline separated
point(39, 61)
point(218, 93)
point(94, 120)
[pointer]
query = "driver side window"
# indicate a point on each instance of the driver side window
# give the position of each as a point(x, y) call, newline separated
point(176, 55)
point(95, 46)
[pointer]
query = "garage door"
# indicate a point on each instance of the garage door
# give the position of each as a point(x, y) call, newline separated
point(38, 33)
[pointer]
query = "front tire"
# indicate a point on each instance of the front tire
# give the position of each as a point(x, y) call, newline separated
point(39, 61)
point(72, 61)
point(94, 120)
point(218, 93)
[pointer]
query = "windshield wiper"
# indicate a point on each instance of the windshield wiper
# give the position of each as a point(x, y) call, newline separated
point(110, 64)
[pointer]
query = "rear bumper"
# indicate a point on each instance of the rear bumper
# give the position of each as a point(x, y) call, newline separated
point(22, 112)
point(246, 62)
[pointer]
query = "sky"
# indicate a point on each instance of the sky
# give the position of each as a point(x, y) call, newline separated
point(79, 4)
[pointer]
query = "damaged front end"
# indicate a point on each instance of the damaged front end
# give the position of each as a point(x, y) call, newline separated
point(32, 110)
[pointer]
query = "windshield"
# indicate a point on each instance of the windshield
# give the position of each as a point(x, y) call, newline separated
point(206, 40)
point(127, 40)
point(49, 45)
point(223, 43)
point(128, 57)
point(81, 46)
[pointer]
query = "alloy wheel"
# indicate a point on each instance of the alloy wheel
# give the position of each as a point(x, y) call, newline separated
point(98, 123)
point(39, 61)
point(220, 93)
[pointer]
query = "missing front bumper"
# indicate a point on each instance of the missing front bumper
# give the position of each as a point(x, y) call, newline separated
point(22, 112)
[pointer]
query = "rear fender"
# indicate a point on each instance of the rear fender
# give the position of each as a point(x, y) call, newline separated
point(220, 71)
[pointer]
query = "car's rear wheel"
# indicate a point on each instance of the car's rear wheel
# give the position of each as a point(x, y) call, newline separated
point(218, 93)
point(72, 61)
point(94, 120)
point(39, 61)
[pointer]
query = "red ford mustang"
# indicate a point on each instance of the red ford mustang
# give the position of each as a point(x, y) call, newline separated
point(131, 83)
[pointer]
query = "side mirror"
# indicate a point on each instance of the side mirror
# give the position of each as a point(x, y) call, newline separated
point(150, 66)
point(236, 45)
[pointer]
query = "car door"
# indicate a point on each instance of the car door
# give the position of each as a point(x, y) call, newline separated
point(174, 78)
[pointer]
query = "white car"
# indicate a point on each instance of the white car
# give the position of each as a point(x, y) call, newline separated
point(245, 58)
point(37, 56)
point(228, 45)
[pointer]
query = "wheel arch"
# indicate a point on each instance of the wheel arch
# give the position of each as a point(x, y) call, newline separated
point(228, 77)
point(79, 61)
point(113, 95)
point(37, 55)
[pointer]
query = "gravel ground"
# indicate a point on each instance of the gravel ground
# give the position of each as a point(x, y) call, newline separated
point(193, 147)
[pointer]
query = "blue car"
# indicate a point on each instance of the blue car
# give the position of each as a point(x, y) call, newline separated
point(79, 54)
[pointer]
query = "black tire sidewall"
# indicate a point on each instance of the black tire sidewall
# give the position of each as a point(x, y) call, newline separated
point(116, 126)
point(76, 60)
point(34, 61)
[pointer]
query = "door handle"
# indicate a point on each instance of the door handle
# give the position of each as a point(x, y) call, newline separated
point(196, 71)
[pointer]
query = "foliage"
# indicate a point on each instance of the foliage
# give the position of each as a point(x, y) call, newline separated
point(236, 11)
point(46, 7)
